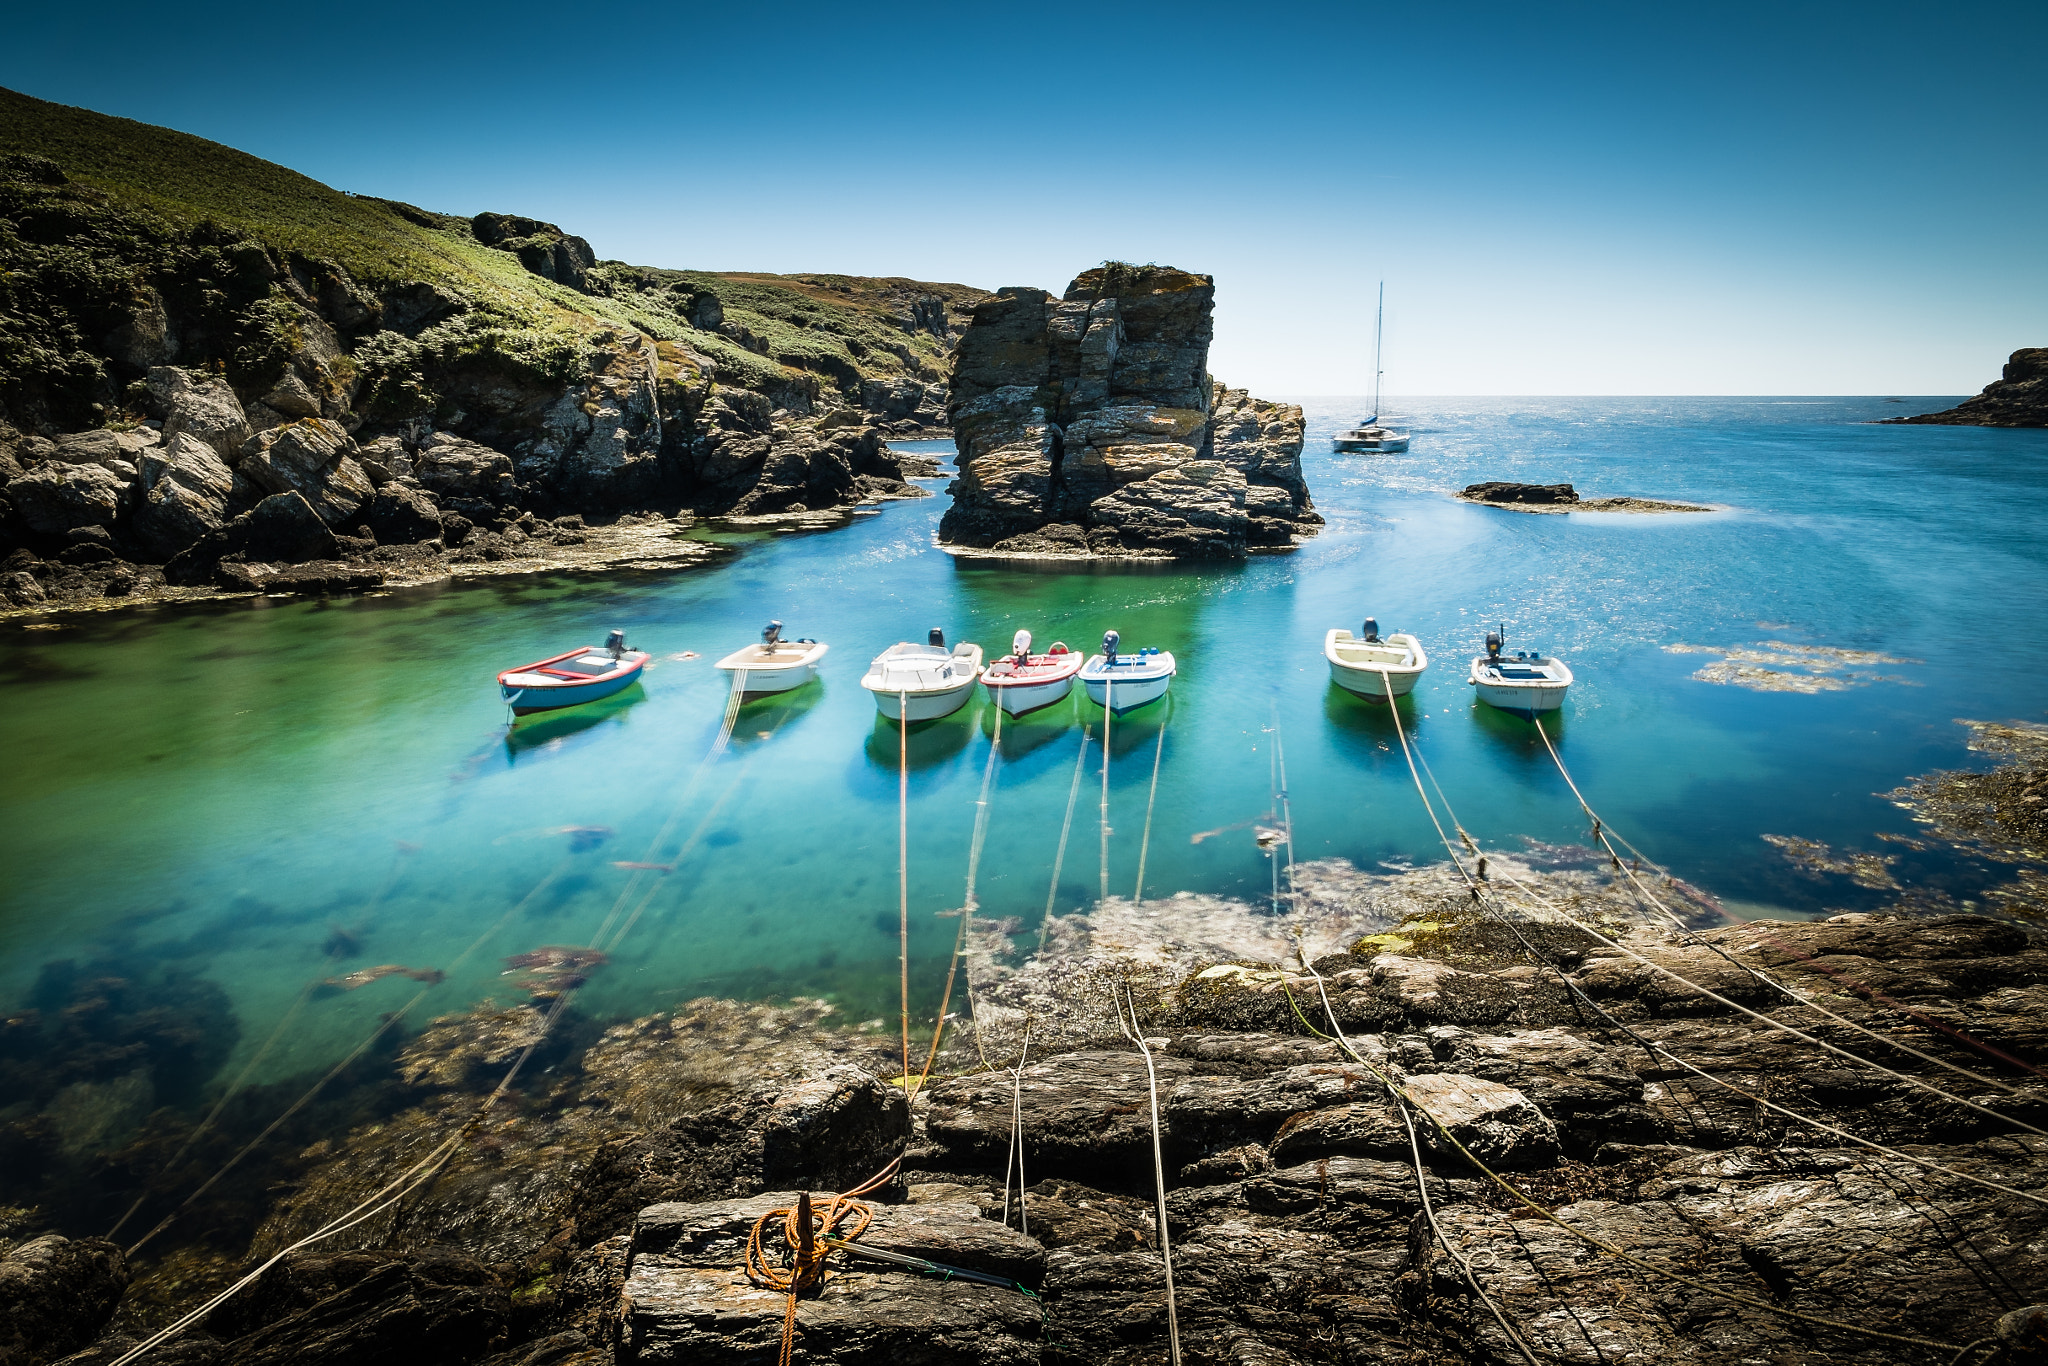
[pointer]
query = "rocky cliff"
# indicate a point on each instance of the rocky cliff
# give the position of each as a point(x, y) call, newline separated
point(1089, 424)
point(186, 332)
point(2019, 398)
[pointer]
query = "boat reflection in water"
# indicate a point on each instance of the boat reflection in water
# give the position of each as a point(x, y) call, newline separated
point(550, 731)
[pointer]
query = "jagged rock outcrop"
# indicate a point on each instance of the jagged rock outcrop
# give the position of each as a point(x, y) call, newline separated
point(1090, 424)
point(2018, 398)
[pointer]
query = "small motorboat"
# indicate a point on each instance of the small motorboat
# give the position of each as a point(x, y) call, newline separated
point(567, 680)
point(1372, 667)
point(1525, 682)
point(1021, 681)
point(913, 682)
point(1124, 682)
point(775, 665)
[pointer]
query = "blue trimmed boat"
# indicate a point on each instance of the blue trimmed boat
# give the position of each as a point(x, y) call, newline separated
point(569, 679)
point(1126, 682)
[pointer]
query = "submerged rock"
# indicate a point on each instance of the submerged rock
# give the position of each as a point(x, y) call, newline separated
point(1095, 414)
point(55, 1295)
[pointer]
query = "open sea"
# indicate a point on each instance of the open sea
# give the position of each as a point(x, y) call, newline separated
point(255, 795)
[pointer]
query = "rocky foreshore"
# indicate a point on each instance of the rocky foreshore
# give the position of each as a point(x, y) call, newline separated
point(604, 1218)
point(1089, 426)
point(2018, 398)
point(195, 501)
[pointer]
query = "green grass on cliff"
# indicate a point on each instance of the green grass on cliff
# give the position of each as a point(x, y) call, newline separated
point(149, 203)
point(188, 181)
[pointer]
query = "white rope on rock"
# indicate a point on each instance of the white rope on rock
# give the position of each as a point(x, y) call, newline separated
point(1136, 1034)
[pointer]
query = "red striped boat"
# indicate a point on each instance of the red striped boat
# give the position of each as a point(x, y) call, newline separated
point(573, 677)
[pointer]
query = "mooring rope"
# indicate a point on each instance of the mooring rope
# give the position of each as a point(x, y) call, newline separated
point(1059, 859)
point(387, 1023)
point(1108, 710)
point(416, 1176)
point(988, 776)
point(1136, 1034)
point(1648, 1045)
point(1015, 1159)
point(421, 1172)
point(1151, 798)
point(1541, 1211)
point(1602, 833)
point(1777, 1025)
point(902, 870)
point(1286, 806)
point(384, 1198)
point(249, 1069)
point(808, 1234)
point(734, 698)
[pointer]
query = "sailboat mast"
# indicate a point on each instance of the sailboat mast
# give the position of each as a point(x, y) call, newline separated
point(1378, 327)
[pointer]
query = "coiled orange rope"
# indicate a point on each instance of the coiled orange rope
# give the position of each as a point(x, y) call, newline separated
point(805, 1231)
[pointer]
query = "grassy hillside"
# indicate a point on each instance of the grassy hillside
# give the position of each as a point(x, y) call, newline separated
point(136, 210)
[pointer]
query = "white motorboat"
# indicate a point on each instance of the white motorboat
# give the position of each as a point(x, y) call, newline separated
point(914, 682)
point(1371, 667)
point(1369, 435)
point(1021, 681)
point(1124, 682)
point(1525, 682)
point(774, 665)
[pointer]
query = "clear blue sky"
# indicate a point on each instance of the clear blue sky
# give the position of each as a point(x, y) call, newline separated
point(1562, 198)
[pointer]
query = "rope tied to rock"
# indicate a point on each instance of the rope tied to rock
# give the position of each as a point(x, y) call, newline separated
point(809, 1235)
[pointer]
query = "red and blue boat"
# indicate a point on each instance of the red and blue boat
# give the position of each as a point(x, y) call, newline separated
point(588, 674)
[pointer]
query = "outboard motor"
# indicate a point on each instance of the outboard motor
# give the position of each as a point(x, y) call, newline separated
point(1372, 631)
point(1494, 640)
point(1109, 644)
point(937, 638)
point(615, 644)
point(1020, 646)
point(771, 633)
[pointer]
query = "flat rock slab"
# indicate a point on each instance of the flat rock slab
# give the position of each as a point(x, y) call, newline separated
point(1079, 1111)
point(688, 1298)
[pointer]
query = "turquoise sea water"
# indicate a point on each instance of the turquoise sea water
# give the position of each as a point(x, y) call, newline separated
point(261, 794)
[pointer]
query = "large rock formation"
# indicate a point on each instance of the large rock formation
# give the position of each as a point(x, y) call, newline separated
point(2018, 399)
point(1090, 424)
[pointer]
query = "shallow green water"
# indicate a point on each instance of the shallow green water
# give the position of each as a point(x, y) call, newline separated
point(262, 794)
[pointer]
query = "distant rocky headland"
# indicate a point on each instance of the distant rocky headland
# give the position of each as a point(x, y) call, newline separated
point(2018, 398)
point(216, 374)
point(1089, 425)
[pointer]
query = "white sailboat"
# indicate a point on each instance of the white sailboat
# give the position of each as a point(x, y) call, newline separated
point(1370, 435)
